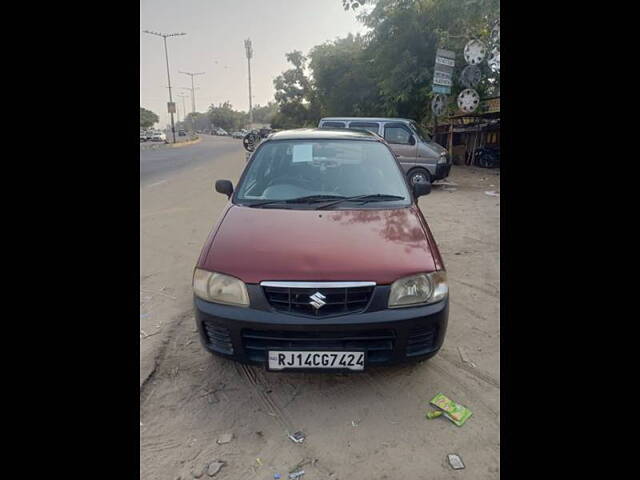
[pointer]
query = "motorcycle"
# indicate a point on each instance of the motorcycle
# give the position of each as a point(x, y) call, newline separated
point(487, 157)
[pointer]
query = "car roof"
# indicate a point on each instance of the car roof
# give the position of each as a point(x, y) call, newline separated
point(324, 133)
point(365, 119)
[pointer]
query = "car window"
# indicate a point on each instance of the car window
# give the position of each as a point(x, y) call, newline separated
point(334, 124)
point(370, 126)
point(286, 169)
point(397, 134)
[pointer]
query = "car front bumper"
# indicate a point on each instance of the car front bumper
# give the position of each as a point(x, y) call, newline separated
point(388, 336)
point(442, 171)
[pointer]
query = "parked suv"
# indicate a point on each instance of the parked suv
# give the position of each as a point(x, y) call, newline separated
point(422, 159)
point(321, 259)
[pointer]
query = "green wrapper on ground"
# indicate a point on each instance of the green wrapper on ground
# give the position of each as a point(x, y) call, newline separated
point(455, 412)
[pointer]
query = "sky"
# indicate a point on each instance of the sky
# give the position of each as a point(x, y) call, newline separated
point(214, 44)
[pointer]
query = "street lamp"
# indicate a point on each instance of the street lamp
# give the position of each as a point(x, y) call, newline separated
point(249, 52)
point(184, 108)
point(171, 106)
point(192, 90)
point(193, 97)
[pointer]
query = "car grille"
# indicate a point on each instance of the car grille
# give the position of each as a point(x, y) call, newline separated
point(218, 338)
point(377, 343)
point(420, 341)
point(337, 301)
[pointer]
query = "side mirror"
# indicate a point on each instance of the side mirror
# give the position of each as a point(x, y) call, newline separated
point(225, 187)
point(412, 140)
point(421, 188)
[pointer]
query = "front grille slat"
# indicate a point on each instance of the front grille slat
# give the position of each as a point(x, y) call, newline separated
point(337, 301)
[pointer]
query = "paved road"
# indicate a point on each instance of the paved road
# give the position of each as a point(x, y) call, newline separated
point(161, 163)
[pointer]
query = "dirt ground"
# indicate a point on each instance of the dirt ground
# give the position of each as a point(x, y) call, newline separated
point(368, 425)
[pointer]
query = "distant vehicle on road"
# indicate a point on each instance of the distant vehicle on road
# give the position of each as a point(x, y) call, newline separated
point(181, 133)
point(222, 132)
point(238, 134)
point(422, 159)
point(158, 137)
point(143, 136)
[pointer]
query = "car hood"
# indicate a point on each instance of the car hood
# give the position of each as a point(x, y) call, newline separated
point(259, 244)
point(436, 147)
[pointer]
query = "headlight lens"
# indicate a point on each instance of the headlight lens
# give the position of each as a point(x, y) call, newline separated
point(419, 289)
point(443, 158)
point(220, 288)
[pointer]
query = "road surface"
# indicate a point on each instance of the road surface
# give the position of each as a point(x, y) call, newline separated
point(369, 425)
point(162, 162)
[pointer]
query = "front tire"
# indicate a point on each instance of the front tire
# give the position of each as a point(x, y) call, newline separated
point(418, 175)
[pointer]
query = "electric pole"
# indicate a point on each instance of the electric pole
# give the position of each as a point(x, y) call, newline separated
point(193, 95)
point(192, 90)
point(184, 108)
point(249, 50)
point(171, 105)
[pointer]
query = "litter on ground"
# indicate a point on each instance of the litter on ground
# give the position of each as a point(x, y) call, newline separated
point(225, 438)
point(465, 357)
point(298, 437)
point(215, 467)
point(455, 461)
point(455, 412)
point(492, 193)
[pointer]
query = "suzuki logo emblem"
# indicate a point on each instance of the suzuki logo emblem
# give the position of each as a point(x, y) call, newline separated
point(317, 300)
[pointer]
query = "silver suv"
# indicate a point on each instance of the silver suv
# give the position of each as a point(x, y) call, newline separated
point(422, 159)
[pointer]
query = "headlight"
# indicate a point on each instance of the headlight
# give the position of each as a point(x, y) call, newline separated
point(220, 288)
point(443, 158)
point(419, 289)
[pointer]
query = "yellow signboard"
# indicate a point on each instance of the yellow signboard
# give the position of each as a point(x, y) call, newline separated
point(490, 105)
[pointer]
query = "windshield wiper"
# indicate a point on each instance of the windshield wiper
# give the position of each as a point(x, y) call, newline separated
point(377, 197)
point(306, 199)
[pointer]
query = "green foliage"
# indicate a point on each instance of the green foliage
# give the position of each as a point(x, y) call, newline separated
point(196, 121)
point(389, 70)
point(344, 78)
point(296, 97)
point(224, 116)
point(264, 114)
point(147, 118)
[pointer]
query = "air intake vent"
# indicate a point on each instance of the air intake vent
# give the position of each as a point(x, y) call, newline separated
point(218, 338)
point(421, 341)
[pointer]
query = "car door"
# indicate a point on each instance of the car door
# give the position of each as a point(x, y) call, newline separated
point(403, 143)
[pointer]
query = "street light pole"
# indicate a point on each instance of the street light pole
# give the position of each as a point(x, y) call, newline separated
point(184, 108)
point(249, 51)
point(166, 54)
point(192, 90)
point(193, 95)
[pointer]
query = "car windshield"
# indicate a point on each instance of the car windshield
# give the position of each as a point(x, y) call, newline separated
point(422, 133)
point(314, 171)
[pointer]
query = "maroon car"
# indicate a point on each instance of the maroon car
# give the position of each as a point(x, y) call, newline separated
point(322, 259)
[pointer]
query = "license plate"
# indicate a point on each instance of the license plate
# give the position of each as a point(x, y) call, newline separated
point(285, 359)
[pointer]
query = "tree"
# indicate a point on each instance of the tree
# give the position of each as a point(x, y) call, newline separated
point(224, 116)
point(264, 114)
point(344, 78)
point(297, 99)
point(147, 118)
point(403, 40)
point(197, 121)
point(389, 70)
